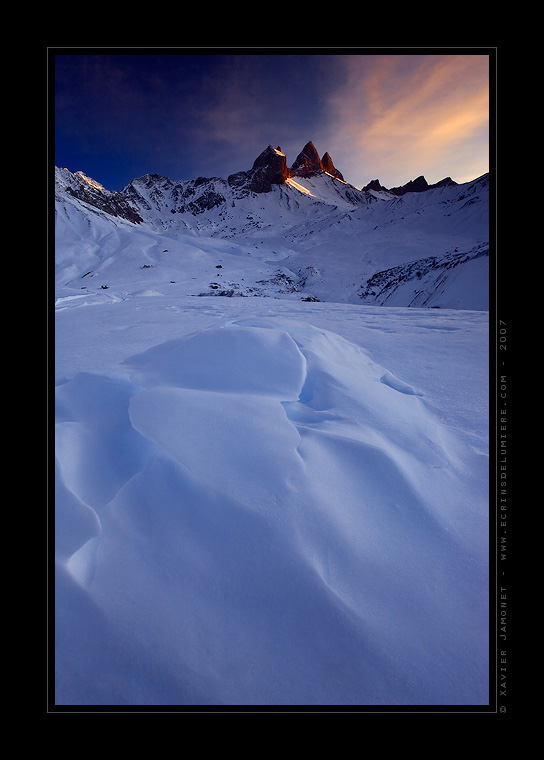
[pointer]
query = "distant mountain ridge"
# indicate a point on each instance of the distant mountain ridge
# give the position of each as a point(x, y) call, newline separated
point(285, 230)
point(80, 186)
point(417, 185)
point(202, 194)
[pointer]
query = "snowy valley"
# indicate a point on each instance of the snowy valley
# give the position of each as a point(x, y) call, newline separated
point(271, 439)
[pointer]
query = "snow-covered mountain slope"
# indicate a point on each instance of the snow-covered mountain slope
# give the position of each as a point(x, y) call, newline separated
point(322, 237)
point(448, 281)
point(268, 499)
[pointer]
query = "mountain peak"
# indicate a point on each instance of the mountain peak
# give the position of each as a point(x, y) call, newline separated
point(417, 185)
point(375, 185)
point(446, 182)
point(420, 184)
point(270, 155)
point(269, 168)
point(307, 163)
point(92, 182)
point(79, 185)
point(329, 167)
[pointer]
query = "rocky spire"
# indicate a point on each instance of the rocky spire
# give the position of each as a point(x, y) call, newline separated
point(307, 163)
point(269, 168)
point(329, 167)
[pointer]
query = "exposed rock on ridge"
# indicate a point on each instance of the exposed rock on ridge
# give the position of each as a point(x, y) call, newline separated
point(307, 163)
point(417, 185)
point(196, 196)
point(375, 185)
point(330, 168)
point(88, 190)
point(269, 168)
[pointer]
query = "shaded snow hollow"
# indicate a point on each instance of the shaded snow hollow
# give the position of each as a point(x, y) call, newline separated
point(257, 513)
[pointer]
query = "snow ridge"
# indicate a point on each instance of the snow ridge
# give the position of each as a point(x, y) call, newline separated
point(308, 563)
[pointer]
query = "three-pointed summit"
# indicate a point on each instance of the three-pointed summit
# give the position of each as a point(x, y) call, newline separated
point(270, 168)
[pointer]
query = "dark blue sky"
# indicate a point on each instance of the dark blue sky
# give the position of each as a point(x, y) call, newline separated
point(184, 115)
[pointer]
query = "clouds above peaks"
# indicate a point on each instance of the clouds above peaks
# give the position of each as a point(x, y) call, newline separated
point(251, 101)
point(405, 115)
point(391, 117)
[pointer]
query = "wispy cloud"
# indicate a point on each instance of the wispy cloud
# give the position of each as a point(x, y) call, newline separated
point(404, 115)
point(389, 117)
point(246, 103)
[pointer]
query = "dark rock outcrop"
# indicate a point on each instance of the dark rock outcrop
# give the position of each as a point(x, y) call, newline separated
point(112, 203)
point(420, 184)
point(269, 168)
point(205, 202)
point(330, 168)
point(417, 185)
point(199, 195)
point(375, 185)
point(446, 182)
point(307, 163)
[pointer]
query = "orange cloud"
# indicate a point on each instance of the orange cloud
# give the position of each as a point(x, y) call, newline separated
point(408, 115)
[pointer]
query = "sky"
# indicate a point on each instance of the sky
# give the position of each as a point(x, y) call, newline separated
point(384, 115)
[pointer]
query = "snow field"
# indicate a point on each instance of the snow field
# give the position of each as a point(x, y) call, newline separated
point(256, 512)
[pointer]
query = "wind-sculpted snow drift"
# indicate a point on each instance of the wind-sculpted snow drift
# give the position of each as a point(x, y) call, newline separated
point(259, 514)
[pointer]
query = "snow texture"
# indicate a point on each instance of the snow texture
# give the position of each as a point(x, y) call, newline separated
point(262, 500)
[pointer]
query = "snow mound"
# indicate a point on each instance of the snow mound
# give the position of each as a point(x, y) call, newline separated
point(228, 359)
point(261, 514)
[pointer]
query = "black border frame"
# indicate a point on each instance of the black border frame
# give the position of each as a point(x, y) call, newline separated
point(501, 652)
